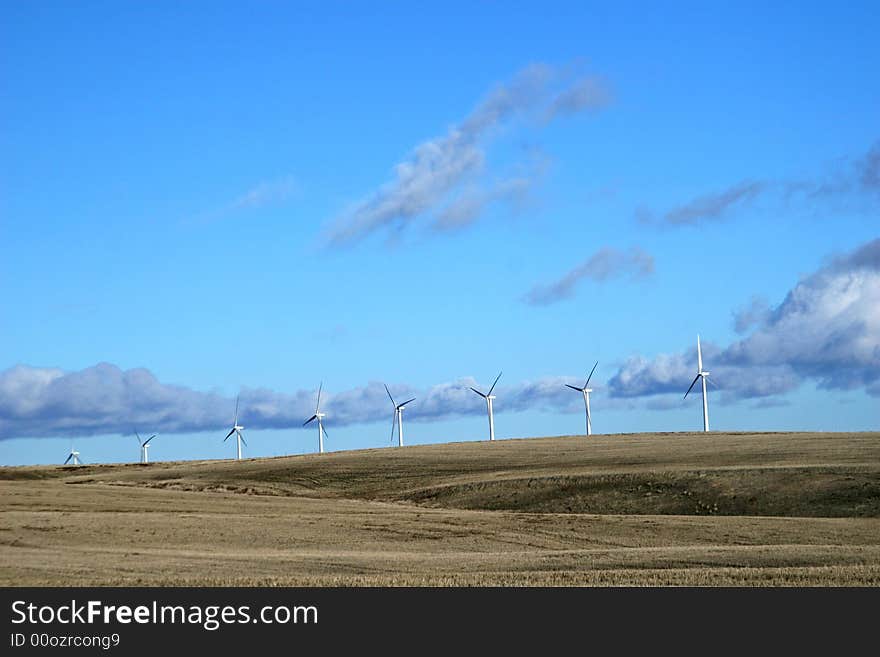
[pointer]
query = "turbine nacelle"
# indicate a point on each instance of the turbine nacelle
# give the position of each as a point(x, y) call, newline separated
point(487, 395)
point(144, 443)
point(316, 416)
point(237, 431)
point(74, 456)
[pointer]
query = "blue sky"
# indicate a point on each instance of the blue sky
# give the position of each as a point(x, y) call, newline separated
point(175, 183)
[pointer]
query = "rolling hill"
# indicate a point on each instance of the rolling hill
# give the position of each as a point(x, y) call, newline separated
point(629, 509)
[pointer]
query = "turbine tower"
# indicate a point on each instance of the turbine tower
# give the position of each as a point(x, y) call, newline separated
point(398, 417)
point(145, 445)
point(701, 375)
point(586, 390)
point(489, 397)
point(73, 456)
point(236, 429)
point(319, 416)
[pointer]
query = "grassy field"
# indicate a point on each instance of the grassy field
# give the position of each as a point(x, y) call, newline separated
point(642, 509)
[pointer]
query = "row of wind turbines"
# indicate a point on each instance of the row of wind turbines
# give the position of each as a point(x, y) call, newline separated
point(74, 459)
point(397, 419)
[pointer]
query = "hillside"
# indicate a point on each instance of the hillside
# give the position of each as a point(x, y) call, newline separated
point(783, 508)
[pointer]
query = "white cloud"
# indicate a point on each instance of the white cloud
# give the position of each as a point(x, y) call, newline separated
point(604, 264)
point(716, 205)
point(38, 402)
point(851, 178)
point(827, 329)
point(428, 178)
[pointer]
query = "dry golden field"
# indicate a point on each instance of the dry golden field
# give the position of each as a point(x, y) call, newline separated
point(642, 509)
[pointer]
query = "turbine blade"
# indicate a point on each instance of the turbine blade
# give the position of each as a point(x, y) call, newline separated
point(242, 439)
point(406, 402)
point(574, 387)
point(692, 385)
point(147, 441)
point(479, 393)
point(699, 356)
point(231, 431)
point(493, 385)
point(138, 436)
point(324, 429)
point(587, 384)
point(389, 395)
point(70, 456)
point(235, 421)
point(393, 422)
point(311, 419)
point(318, 405)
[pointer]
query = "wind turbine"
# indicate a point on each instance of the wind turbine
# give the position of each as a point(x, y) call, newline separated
point(145, 445)
point(586, 392)
point(236, 429)
point(701, 375)
point(74, 456)
point(319, 416)
point(398, 417)
point(489, 397)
